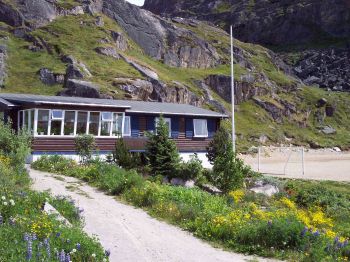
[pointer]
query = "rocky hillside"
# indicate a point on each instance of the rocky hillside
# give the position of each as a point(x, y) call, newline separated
point(112, 49)
point(266, 22)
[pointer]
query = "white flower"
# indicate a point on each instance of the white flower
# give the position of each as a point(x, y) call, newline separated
point(12, 202)
point(5, 203)
point(104, 260)
point(3, 198)
point(93, 255)
point(74, 250)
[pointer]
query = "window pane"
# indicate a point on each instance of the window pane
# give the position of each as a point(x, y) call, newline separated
point(106, 116)
point(94, 121)
point(20, 119)
point(82, 123)
point(43, 122)
point(57, 114)
point(127, 129)
point(117, 124)
point(200, 127)
point(69, 118)
point(26, 120)
point(32, 115)
point(105, 128)
point(56, 127)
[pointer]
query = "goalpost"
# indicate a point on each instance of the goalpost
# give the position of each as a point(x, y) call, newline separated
point(281, 160)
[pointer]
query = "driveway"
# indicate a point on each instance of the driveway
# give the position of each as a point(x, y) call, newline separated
point(129, 233)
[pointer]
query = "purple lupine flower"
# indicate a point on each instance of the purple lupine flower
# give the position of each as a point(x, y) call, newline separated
point(78, 246)
point(38, 254)
point(1, 220)
point(316, 233)
point(57, 256)
point(47, 246)
point(346, 242)
point(67, 257)
point(304, 231)
point(62, 256)
point(34, 237)
point(336, 240)
point(26, 237)
point(269, 223)
point(58, 234)
point(29, 249)
point(107, 253)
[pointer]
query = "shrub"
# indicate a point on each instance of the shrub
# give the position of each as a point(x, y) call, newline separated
point(192, 169)
point(122, 156)
point(161, 152)
point(84, 146)
point(15, 146)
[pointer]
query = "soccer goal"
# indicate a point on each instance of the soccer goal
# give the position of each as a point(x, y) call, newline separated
point(280, 160)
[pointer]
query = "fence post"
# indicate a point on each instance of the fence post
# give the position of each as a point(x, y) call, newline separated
point(303, 160)
point(259, 159)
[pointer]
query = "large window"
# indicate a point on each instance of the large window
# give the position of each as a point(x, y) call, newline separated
point(200, 128)
point(127, 126)
point(43, 122)
point(46, 122)
point(106, 123)
point(69, 120)
point(81, 123)
point(167, 122)
point(94, 123)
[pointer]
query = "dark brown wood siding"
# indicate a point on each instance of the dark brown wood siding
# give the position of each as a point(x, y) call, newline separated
point(60, 144)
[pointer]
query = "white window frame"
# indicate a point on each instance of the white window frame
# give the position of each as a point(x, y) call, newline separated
point(57, 118)
point(123, 125)
point(194, 128)
point(52, 118)
point(166, 120)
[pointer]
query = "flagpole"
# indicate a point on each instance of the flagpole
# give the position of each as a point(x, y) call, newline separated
point(233, 95)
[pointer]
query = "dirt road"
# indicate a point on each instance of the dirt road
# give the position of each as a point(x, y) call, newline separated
point(130, 233)
point(318, 164)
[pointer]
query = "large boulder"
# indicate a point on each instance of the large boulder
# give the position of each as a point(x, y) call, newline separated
point(108, 51)
point(50, 78)
point(79, 88)
point(10, 15)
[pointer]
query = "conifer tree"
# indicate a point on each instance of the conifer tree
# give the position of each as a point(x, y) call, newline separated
point(161, 151)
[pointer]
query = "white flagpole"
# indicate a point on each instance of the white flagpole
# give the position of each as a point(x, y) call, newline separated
point(233, 96)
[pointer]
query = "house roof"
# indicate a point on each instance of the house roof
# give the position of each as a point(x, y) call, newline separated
point(128, 105)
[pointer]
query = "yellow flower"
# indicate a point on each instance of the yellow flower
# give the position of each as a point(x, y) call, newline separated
point(237, 195)
point(288, 203)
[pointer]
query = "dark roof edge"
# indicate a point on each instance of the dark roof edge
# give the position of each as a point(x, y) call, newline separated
point(5, 103)
point(172, 113)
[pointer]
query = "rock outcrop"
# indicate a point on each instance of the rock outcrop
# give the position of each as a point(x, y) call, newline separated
point(80, 88)
point(327, 68)
point(160, 39)
point(50, 78)
point(265, 22)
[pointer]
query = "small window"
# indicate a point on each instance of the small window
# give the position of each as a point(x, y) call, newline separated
point(200, 128)
point(57, 115)
point(106, 116)
point(167, 122)
point(117, 124)
point(43, 122)
point(127, 126)
point(69, 119)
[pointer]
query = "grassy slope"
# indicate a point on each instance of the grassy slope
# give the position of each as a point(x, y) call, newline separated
point(79, 36)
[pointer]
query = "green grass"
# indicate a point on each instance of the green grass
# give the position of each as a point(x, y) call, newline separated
point(23, 66)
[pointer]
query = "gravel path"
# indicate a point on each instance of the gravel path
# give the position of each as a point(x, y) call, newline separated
point(130, 233)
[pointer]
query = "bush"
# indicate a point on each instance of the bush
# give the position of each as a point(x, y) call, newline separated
point(192, 169)
point(84, 146)
point(161, 152)
point(15, 146)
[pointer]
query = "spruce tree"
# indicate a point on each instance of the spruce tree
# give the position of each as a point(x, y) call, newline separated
point(217, 146)
point(161, 152)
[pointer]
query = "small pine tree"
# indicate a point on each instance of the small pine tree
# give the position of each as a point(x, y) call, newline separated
point(229, 171)
point(121, 155)
point(217, 146)
point(161, 152)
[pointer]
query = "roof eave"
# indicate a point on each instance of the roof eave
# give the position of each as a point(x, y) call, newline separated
point(172, 113)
